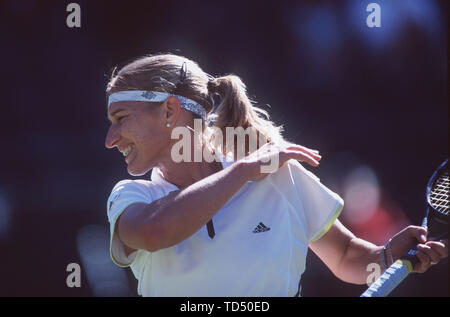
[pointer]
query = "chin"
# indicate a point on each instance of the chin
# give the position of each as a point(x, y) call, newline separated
point(132, 173)
point(134, 170)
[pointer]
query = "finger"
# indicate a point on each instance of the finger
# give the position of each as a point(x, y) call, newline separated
point(303, 149)
point(290, 144)
point(313, 153)
point(420, 233)
point(424, 262)
point(302, 157)
point(316, 158)
point(434, 256)
point(438, 247)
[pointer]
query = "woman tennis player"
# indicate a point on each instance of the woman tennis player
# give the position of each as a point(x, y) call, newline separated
point(219, 224)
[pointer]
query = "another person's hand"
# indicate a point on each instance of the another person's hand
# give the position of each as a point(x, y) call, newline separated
point(428, 252)
point(271, 156)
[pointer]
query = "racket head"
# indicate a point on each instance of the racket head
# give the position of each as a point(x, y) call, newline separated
point(437, 194)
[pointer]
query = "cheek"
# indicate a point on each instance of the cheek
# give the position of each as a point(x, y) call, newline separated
point(147, 132)
point(151, 138)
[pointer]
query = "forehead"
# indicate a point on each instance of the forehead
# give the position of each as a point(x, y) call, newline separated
point(119, 105)
point(125, 105)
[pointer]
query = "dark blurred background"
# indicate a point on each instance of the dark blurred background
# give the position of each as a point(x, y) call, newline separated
point(372, 100)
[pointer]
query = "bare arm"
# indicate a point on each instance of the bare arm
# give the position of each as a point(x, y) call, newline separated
point(348, 256)
point(174, 218)
point(171, 219)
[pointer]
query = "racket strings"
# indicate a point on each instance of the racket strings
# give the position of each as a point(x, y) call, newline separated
point(439, 195)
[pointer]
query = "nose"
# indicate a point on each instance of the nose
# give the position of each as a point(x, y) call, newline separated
point(112, 137)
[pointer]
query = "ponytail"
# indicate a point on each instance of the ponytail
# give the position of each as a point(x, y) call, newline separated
point(161, 72)
point(236, 110)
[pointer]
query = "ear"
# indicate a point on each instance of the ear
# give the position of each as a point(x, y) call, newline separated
point(172, 109)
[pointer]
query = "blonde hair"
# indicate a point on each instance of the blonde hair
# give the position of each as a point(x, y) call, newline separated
point(161, 72)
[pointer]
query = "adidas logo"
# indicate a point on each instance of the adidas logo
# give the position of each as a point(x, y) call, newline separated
point(260, 228)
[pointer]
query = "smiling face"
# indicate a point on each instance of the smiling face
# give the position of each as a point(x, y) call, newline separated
point(139, 133)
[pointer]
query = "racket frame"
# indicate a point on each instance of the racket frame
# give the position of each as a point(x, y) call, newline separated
point(401, 268)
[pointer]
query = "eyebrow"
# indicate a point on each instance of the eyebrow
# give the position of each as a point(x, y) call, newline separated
point(111, 115)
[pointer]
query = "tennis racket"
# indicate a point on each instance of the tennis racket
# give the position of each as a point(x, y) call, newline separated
point(436, 221)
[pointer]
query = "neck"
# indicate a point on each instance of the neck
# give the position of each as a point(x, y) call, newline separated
point(184, 174)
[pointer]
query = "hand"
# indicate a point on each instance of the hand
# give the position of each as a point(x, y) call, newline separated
point(256, 162)
point(431, 253)
point(428, 252)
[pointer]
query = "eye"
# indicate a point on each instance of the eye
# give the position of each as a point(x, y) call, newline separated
point(121, 118)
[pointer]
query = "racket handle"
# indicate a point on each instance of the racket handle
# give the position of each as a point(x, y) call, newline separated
point(396, 273)
point(425, 223)
point(389, 280)
point(411, 257)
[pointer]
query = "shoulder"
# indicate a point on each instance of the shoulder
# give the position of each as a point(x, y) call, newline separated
point(293, 172)
point(128, 191)
point(296, 167)
point(133, 183)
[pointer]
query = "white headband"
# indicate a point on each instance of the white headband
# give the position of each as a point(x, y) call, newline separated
point(156, 96)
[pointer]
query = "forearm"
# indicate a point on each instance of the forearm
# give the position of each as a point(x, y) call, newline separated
point(353, 267)
point(349, 257)
point(179, 215)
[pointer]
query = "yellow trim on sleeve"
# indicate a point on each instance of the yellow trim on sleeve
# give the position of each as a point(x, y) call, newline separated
point(114, 259)
point(330, 223)
point(111, 241)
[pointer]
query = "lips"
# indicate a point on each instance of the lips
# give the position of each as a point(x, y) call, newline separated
point(127, 150)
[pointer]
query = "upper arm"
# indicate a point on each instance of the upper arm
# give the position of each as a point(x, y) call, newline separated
point(331, 247)
point(132, 227)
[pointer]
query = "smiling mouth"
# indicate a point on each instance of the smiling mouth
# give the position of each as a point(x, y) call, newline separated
point(126, 152)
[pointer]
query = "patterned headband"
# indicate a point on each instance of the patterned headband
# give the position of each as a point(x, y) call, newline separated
point(156, 96)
